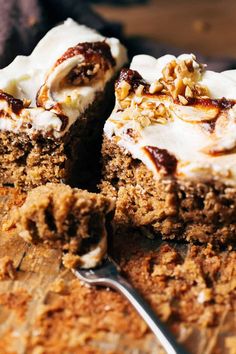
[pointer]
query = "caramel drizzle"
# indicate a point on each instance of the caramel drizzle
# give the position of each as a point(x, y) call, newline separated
point(162, 159)
point(91, 51)
point(15, 104)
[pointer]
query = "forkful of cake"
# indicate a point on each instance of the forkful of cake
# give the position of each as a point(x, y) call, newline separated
point(75, 221)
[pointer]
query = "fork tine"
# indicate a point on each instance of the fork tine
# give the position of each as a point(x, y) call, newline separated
point(106, 269)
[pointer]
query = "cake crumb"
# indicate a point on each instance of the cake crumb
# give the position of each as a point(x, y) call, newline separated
point(230, 343)
point(165, 311)
point(58, 286)
point(69, 219)
point(204, 296)
point(7, 269)
point(38, 350)
point(71, 261)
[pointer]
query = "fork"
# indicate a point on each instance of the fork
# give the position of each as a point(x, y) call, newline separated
point(108, 274)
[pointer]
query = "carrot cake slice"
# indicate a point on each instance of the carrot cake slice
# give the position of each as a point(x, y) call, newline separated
point(169, 151)
point(70, 219)
point(53, 105)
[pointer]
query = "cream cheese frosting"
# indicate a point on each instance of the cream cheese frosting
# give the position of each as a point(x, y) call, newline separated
point(200, 132)
point(24, 77)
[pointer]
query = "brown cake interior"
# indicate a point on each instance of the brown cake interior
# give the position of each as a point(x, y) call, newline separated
point(170, 208)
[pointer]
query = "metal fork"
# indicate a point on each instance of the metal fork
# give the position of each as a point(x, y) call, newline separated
point(108, 274)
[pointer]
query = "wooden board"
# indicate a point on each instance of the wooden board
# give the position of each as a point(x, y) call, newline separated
point(46, 310)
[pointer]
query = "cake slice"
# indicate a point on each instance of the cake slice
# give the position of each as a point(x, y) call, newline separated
point(70, 219)
point(169, 151)
point(53, 105)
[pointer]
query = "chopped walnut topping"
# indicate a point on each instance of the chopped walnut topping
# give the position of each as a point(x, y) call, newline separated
point(180, 79)
point(157, 113)
point(126, 103)
point(148, 113)
point(182, 100)
point(168, 71)
point(201, 91)
point(161, 109)
point(123, 90)
point(144, 121)
point(155, 87)
point(149, 105)
point(26, 103)
point(144, 110)
point(188, 92)
point(139, 90)
point(179, 86)
point(188, 82)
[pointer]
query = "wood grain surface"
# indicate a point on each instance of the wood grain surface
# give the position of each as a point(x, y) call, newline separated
point(46, 310)
point(205, 26)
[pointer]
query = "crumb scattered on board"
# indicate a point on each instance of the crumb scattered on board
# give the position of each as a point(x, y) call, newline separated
point(7, 269)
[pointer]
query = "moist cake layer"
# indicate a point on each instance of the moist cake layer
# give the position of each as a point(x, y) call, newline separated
point(172, 209)
point(170, 150)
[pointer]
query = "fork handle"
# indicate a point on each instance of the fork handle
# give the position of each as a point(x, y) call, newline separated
point(166, 339)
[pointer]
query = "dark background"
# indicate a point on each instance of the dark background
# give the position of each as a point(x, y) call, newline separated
point(204, 27)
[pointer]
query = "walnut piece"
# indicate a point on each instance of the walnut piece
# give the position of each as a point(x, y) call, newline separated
point(180, 78)
point(123, 90)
